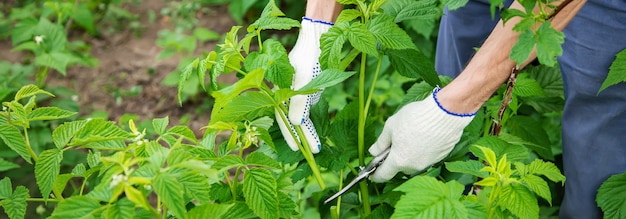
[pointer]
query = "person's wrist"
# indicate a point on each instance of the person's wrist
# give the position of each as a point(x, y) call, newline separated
point(450, 108)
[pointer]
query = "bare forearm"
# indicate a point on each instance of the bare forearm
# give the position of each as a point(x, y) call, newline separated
point(325, 10)
point(491, 65)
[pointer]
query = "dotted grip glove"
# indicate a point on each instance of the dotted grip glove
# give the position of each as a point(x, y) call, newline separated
point(419, 134)
point(304, 59)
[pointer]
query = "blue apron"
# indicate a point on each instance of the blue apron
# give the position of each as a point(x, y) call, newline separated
point(594, 125)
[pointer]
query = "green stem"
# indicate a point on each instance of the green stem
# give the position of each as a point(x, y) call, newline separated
point(232, 189)
point(303, 145)
point(340, 187)
point(41, 76)
point(30, 149)
point(492, 198)
point(361, 135)
point(372, 87)
point(42, 200)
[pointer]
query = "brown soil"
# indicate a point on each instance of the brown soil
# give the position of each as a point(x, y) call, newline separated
point(128, 60)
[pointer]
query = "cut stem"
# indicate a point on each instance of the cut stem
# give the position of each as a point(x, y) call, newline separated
point(361, 135)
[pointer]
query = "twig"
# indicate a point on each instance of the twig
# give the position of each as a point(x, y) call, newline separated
point(496, 127)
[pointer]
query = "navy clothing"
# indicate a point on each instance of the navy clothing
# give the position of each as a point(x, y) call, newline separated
point(594, 125)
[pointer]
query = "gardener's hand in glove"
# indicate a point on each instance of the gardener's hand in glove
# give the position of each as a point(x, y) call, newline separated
point(304, 59)
point(419, 134)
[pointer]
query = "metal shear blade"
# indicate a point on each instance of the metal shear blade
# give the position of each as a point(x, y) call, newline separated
point(363, 174)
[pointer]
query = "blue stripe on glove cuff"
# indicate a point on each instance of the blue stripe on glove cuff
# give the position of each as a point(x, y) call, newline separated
point(447, 111)
point(318, 21)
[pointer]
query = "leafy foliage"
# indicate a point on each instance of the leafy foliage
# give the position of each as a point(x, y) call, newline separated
point(609, 196)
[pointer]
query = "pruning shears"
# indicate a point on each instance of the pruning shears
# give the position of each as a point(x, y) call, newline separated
point(363, 174)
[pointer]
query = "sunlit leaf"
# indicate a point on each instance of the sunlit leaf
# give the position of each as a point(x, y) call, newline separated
point(389, 34)
point(49, 113)
point(260, 159)
point(327, 78)
point(471, 167)
point(213, 209)
point(170, 192)
point(425, 197)
point(13, 138)
point(122, 209)
point(15, 204)
point(519, 201)
point(80, 207)
point(259, 189)
point(47, 169)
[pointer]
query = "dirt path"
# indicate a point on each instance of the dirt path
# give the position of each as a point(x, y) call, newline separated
point(127, 60)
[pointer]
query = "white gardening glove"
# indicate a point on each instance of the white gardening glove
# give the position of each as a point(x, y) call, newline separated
point(420, 134)
point(304, 59)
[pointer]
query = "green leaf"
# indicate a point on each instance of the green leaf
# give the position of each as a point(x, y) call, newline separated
point(471, 167)
point(259, 189)
point(271, 18)
point(30, 90)
point(63, 134)
point(49, 113)
point(79, 170)
point(260, 159)
point(253, 102)
point(523, 47)
point(611, 195)
point(547, 169)
point(61, 182)
point(413, 63)
point(527, 87)
point(13, 138)
point(418, 10)
point(362, 39)
point(122, 209)
point(228, 162)
point(137, 197)
point(327, 78)
point(47, 169)
point(183, 131)
point(501, 146)
point(204, 34)
point(488, 155)
point(538, 186)
point(84, 18)
point(239, 211)
point(56, 60)
point(519, 201)
point(215, 210)
point(425, 197)
point(170, 191)
point(549, 78)
point(196, 186)
point(274, 60)
point(348, 15)
point(15, 204)
point(474, 208)
point(184, 76)
point(222, 97)
point(455, 4)
point(531, 130)
point(331, 44)
point(389, 34)
point(6, 189)
point(617, 71)
point(160, 124)
point(7, 165)
point(549, 43)
point(79, 207)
